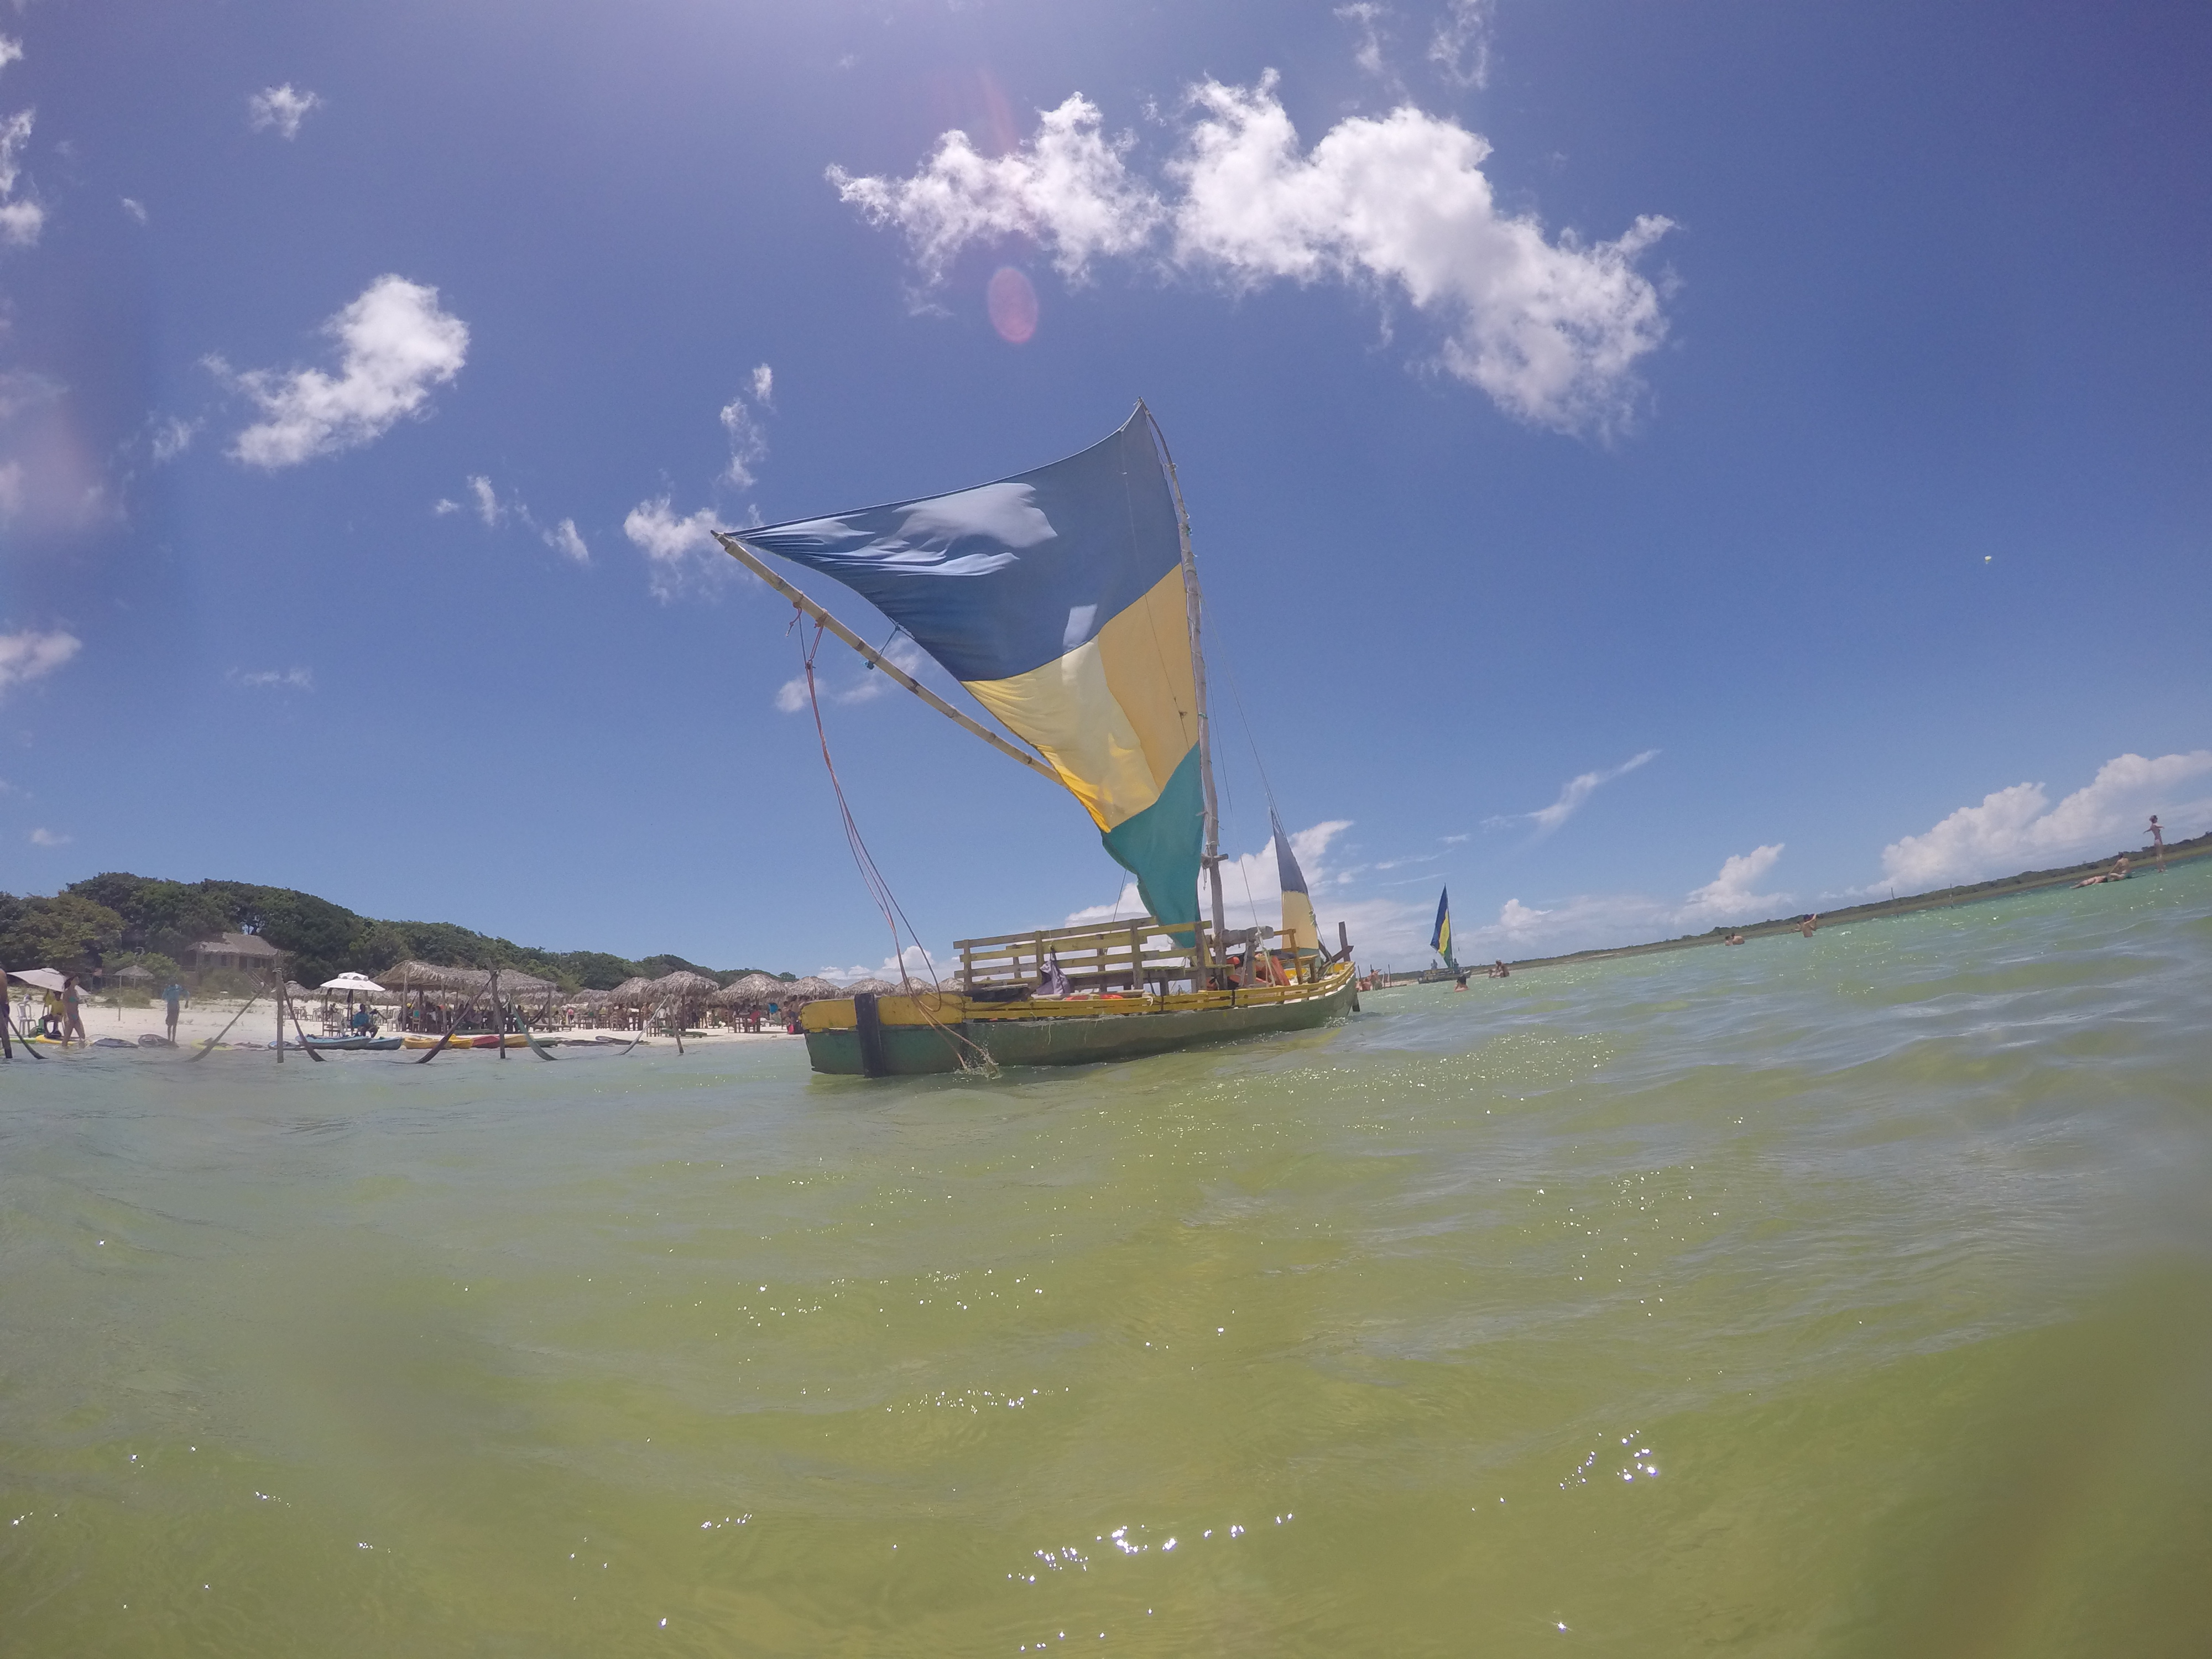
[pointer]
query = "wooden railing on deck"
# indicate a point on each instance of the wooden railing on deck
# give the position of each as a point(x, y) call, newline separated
point(1113, 955)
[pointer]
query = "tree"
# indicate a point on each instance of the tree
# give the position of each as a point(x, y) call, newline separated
point(65, 931)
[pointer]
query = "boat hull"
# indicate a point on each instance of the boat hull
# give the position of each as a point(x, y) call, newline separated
point(919, 1049)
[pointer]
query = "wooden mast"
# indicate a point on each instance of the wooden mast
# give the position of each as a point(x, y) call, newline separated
point(745, 556)
point(1193, 608)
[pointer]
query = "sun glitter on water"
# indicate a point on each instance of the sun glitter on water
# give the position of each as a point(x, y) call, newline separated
point(1012, 301)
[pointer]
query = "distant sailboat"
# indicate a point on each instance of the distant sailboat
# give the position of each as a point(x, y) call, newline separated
point(1065, 601)
point(1441, 940)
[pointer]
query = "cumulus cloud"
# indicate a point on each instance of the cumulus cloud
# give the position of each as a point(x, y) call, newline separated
point(1397, 205)
point(396, 344)
point(680, 552)
point(1731, 896)
point(1577, 790)
point(764, 386)
point(22, 218)
point(47, 838)
point(1460, 48)
point(1067, 189)
point(31, 655)
point(2018, 828)
point(564, 538)
point(280, 108)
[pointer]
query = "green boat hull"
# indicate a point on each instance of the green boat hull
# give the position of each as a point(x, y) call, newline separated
point(1073, 1040)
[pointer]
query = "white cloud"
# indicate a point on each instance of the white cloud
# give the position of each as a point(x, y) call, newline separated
point(764, 386)
point(137, 209)
point(747, 442)
point(563, 538)
point(1550, 329)
point(679, 551)
point(21, 218)
point(1067, 189)
point(286, 679)
point(47, 838)
point(396, 344)
point(487, 507)
point(442, 507)
point(172, 436)
point(1461, 46)
point(1728, 897)
point(791, 696)
point(11, 51)
point(31, 655)
point(1577, 790)
point(1367, 17)
point(281, 108)
point(2012, 830)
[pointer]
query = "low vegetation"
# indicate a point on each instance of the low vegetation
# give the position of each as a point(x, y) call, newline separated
point(108, 921)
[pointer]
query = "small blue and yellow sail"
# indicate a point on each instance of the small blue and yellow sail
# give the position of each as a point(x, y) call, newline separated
point(1441, 940)
point(1058, 599)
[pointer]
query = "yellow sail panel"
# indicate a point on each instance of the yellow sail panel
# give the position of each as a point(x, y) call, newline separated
point(1117, 714)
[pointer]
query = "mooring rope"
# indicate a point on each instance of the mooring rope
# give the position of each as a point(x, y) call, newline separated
point(879, 888)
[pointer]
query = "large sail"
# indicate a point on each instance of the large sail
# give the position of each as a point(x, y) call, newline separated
point(1441, 940)
point(1057, 598)
point(1300, 931)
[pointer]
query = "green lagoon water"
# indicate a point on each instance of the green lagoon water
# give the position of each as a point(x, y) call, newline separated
point(1832, 1298)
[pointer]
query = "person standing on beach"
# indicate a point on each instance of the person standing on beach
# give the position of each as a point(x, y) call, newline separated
point(72, 1013)
point(173, 997)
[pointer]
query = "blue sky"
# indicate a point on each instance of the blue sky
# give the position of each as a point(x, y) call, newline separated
point(1649, 466)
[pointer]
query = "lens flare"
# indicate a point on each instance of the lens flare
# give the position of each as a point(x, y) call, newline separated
point(1012, 303)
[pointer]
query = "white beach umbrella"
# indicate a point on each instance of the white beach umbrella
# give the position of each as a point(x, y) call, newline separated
point(351, 981)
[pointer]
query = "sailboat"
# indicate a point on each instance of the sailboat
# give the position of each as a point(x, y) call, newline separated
point(1065, 601)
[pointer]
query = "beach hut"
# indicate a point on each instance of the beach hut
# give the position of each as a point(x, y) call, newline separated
point(248, 952)
point(681, 996)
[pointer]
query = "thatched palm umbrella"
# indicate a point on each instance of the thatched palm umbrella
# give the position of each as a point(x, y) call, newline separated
point(881, 987)
point(812, 988)
point(682, 994)
point(750, 991)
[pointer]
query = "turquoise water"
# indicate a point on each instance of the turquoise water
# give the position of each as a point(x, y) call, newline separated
point(1848, 1296)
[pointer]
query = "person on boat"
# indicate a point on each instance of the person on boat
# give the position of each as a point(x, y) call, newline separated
point(72, 1013)
point(172, 998)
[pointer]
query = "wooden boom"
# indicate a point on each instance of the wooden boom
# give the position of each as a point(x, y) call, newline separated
point(745, 557)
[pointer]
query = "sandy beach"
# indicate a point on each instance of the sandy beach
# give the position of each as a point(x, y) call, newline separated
point(202, 1018)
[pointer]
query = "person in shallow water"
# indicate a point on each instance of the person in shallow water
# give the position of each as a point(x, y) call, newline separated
point(1810, 925)
point(2118, 873)
point(72, 1013)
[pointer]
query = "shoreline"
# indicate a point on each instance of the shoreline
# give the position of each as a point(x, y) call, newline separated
point(2145, 861)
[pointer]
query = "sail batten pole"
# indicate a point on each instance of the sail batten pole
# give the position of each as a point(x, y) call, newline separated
point(1193, 609)
point(876, 659)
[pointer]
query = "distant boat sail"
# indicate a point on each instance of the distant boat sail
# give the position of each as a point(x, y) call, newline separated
point(1065, 601)
point(1441, 940)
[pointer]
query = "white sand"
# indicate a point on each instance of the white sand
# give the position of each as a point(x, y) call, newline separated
point(202, 1019)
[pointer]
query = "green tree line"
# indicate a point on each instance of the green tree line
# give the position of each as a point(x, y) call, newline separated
point(105, 920)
